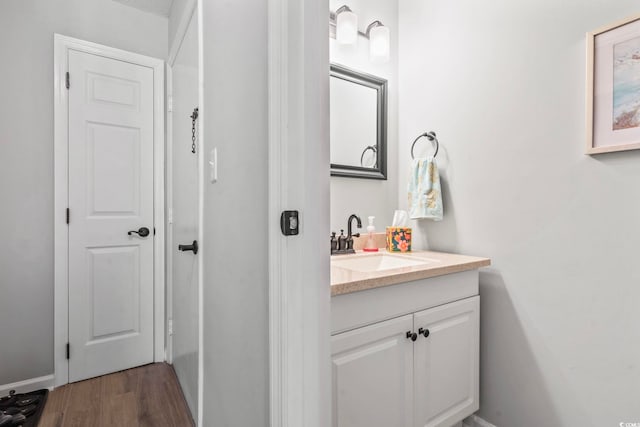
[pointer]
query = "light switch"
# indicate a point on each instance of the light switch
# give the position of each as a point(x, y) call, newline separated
point(213, 165)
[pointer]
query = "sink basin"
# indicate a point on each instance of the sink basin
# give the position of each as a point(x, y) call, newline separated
point(378, 262)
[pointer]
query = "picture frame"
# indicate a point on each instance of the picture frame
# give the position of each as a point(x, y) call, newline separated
point(613, 87)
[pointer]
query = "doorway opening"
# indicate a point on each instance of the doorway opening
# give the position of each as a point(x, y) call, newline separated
point(109, 210)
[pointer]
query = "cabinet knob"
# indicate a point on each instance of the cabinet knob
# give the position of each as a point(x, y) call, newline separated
point(424, 332)
point(412, 335)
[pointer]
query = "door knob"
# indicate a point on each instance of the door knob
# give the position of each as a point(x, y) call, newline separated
point(192, 247)
point(412, 335)
point(142, 232)
point(424, 332)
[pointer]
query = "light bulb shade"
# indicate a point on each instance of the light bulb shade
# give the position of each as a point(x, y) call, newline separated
point(379, 44)
point(347, 27)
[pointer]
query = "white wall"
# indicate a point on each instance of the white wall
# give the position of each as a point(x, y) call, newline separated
point(236, 341)
point(180, 10)
point(184, 228)
point(366, 197)
point(26, 159)
point(502, 83)
point(236, 213)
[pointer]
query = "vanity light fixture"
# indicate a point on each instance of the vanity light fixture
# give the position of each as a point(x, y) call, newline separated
point(343, 26)
point(346, 25)
point(378, 35)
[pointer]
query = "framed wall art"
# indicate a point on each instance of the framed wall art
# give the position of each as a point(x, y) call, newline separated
point(613, 87)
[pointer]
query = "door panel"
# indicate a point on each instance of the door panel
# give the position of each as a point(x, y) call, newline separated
point(113, 288)
point(372, 375)
point(110, 193)
point(446, 363)
point(186, 215)
point(113, 157)
point(113, 90)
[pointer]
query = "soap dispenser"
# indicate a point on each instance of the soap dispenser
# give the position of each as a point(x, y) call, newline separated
point(371, 244)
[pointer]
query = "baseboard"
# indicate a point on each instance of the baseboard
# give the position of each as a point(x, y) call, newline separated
point(28, 385)
point(476, 421)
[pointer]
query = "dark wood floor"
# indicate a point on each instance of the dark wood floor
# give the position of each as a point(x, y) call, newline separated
point(146, 396)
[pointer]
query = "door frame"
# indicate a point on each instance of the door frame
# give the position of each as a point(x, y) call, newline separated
point(62, 46)
point(299, 278)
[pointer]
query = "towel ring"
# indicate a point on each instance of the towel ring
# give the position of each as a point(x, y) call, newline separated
point(375, 151)
point(431, 136)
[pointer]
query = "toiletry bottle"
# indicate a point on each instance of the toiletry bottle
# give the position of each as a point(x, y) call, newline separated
point(371, 244)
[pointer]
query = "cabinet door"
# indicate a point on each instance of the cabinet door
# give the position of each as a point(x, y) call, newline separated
point(446, 363)
point(372, 370)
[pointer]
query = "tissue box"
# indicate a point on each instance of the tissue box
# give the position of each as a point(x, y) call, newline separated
point(399, 239)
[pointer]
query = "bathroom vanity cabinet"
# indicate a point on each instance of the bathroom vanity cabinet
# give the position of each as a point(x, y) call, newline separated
point(406, 355)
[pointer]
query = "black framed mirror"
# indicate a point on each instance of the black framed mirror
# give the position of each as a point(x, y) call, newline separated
point(358, 124)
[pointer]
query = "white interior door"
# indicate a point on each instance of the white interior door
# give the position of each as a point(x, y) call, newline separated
point(185, 217)
point(111, 114)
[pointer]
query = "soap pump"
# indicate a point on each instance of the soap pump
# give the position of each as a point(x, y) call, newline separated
point(371, 244)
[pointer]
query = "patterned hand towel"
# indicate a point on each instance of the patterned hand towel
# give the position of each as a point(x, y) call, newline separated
point(425, 196)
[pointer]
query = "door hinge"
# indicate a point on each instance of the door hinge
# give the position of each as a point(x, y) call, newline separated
point(154, 231)
point(68, 351)
point(67, 80)
point(68, 216)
